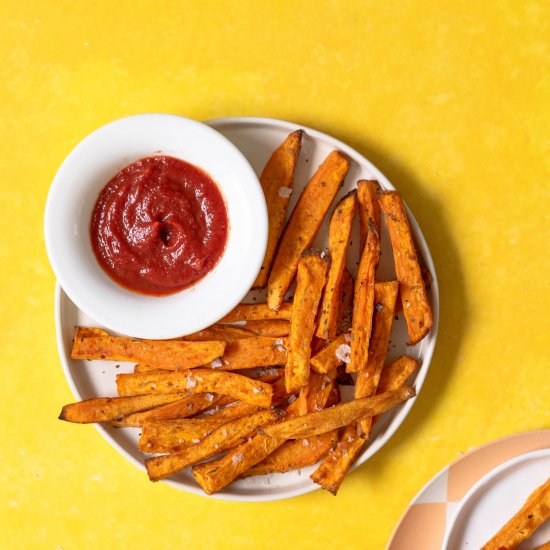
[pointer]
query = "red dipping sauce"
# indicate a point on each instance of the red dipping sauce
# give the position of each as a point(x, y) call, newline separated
point(159, 226)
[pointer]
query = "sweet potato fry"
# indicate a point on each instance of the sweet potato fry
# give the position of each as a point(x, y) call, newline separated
point(215, 475)
point(103, 409)
point(276, 328)
point(368, 208)
point(142, 367)
point(385, 295)
point(160, 353)
point(345, 302)
point(228, 435)
point(162, 436)
point(265, 374)
point(338, 416)
point(227, 333)
point(303, 225)
point(396, 373)
point(314, 396)
point(412, 289)
point(363, 302)
point(257, 351)
point(276, 180)
point(295, 454)
point(338, 242)
point(196, 381)
point(183, 408)
point(330, 474)
point(330, 356)
point(530, 517)
point(257, 312)
point(312, 276)
point(544, 546)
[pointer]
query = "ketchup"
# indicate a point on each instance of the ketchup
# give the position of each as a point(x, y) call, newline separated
point(159, 225)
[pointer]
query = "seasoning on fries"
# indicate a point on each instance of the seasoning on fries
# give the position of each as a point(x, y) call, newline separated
point(257, 312)
point(368, 208)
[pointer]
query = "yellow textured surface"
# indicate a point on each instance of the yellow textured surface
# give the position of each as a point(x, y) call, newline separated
point(450, 99)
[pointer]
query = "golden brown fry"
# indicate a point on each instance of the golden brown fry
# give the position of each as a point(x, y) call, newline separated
point(141, 367)
point(338, 416)
point(396, 373)
point(338, 242)
point(257, 351)
point(161, 436)
point(160, 353)
point(257, 312)
point(363, 303)
point(330, 474)
point(385, 295)
point(412, 289)
point(303, 225)
point(345, 302)
point(530, 517)
point(227, 333)
point(215, 475)
point(368, 208)
point(183, 408)
point(103, 409)
point(197, 381)
point(312, 276)
point(314, 396)
point(228, 435)
point(276, 328)
point(295, 454)
point(276, 179)
point(327, 359)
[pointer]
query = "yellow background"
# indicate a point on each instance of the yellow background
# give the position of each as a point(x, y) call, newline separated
point(450, 99)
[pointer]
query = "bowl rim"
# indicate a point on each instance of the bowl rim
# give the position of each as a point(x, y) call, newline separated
point(255, 204)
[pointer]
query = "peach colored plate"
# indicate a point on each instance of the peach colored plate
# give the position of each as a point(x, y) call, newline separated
point(425, 521)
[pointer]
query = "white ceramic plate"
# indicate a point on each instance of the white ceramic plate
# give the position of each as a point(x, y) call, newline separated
point(257, 138)
point(496, 498)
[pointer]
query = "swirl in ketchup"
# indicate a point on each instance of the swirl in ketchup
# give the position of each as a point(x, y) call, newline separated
point(159, 226)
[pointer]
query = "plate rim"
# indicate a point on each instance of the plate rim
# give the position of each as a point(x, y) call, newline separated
point(404, 409)
point(481, 483)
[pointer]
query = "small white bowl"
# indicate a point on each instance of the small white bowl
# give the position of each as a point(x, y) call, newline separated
point(71, 199)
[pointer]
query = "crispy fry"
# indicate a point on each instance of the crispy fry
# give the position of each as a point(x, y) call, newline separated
point(312, 275)
point(227, 333)
point(228, 435)
point(368, 208)
point(338, 416)
point(197, 381)
point(330, 474)
point(385, 295)
point(304, 224)
point(103, 409)
point(295, 454)
point(257, 351)
point(162, 436)
point(363, 303)
point(327, 359)
point(257, 312)
point(215, 475)
point(396, 373)
point(276, 179)
point(276, 328)
point(314, 396)
point(160, 353)
point(142, 367)
point(183, 408)
point(412, 289)
point(345, 302)
point(530, 517)
point(338, 241)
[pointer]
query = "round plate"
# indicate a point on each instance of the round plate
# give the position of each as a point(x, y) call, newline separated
point(496, 498)
point(257, 138)
point(435, 506)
